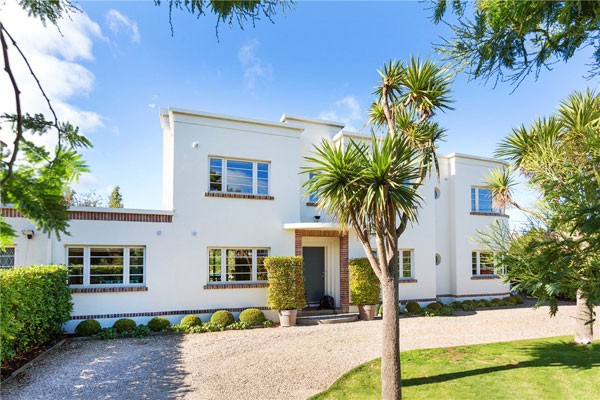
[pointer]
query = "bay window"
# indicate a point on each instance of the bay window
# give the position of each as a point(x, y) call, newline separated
point(106, 266)
point(237, 265)
point(481, 200)
point(238, 176)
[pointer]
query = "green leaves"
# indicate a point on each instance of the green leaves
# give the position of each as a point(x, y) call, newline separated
point(286, 283)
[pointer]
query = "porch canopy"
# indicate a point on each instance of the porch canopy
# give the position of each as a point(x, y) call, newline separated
point(312, 226)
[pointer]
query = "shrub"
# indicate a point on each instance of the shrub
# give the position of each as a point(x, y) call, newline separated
point(517, 298)
point(109, 333)
point(124, 324)
point(286, 283)
point(381, 309)
point(158, 324)
point(468, 305)
point(139, 331)
point(509, 301)
point(413, 307)
point(468, 302)
point(433, 312)
point(238, 326)
point(479, 304)
point(485, 302)
point(35, 301)
point(252, 316)
point(268, 323)
point(89, 327)
point(213, 327)
point(222, 317)
point(446, 311)
point(456, 305)
point(435, 306)
point(190, 320)
point(495, 302)
point(364, 284)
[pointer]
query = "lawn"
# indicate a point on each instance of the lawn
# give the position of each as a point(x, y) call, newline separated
point(551, 368)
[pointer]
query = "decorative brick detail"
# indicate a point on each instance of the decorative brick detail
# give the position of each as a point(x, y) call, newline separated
point(239, 196)
point(9, 212)
point(482, 277)
point(403, 302)
point(330, 233)
point(344, 275)
point(407, 281)
point(487, 214)
point(298, 243)
point(312, 204)
point(473, 295)
point(163, 313)
point(236, 286)
point(114, 289)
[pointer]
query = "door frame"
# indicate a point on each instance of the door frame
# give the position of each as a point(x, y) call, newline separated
point(332, 263)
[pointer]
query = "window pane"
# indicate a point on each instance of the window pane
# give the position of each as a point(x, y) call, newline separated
point(106, 266)
point(239, 265)
point(485, 200)
point(136, 265)
point(239, 189)
point(406, 264)
point(486, 263)
point(261, 274)
point(313, 198)
point(75, 265)
point(474, 262)
point(216, 163)
point(214, 265)
point(241, 165)
point(216, 175)
point(7, 257)
point(473, 203)
point(262, 167)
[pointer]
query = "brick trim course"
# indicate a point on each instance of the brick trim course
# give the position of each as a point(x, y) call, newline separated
point(489, 214)
point(110, 289)
point(9, 212)
point(163, 313)
point(236, 286)
point(473, 295)
point(479, 278)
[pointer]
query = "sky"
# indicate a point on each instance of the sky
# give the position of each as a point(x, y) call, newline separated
point(116, 63)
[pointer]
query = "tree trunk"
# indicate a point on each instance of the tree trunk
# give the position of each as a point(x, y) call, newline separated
point(584, 328)
point(391, 386)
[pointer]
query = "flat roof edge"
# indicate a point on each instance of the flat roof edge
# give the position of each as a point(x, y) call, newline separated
point(473, 157)
point(319, 121)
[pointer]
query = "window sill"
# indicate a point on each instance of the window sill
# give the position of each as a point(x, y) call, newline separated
point(239, 196)
point(310, 204)
point(489, 214)
point(112, 289)
point(213, 286)
point(482, 277)
point(407, 280)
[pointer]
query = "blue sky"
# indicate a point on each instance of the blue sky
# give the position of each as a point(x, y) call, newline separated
point(318, 60)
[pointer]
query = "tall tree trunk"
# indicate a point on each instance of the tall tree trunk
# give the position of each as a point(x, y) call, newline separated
point(391, 385)
point(584, 328)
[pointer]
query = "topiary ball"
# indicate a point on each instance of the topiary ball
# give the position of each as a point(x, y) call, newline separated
point(158, 324)
point(435, 306)
point(456, 305)
point(252, 316)
point(222, 317)
point(413, 307)
point(191, 320)
point(517, 298)
point(496, 302)
point(485, 302)
point(124, 324)
point(89, 327)
point(509, 301)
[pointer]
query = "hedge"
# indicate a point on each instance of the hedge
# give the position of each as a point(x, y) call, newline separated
point(252, 316)
point(222, 317)
point(286, 283)
point(364, 284)
point(34, 304)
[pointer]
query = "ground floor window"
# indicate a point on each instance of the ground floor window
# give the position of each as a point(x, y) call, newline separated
point(237, 265)
point(483, 263)
point(108, 266)
point(7, 257)
point(406, 264)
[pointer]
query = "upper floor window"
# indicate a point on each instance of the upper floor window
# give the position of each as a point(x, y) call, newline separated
point(313, 198)
point(481, 200)
point(406, 264)
point(236, 265)
point(7, 257)
point(483, 263)
point(106, 265)
point(238, 176)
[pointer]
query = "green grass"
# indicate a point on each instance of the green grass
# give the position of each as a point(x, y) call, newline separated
point(552, 368)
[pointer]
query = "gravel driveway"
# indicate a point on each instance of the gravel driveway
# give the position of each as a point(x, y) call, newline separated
point(279, 363)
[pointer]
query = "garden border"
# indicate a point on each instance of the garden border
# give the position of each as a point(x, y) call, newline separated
point(28, 364)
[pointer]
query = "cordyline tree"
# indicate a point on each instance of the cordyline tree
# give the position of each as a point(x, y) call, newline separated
point(372, 188)
point(559, 257)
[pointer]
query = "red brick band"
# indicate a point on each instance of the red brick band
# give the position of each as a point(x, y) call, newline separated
point(407, 281)
point(162, 313)
point(100, 216)
point(236, 286)
point(239, 196)
point(417, 300)
point(309, 232)
point(310, 204)
point(473, 295)
point(110, 289)
point(488, 214)
point(476, 278)
point(344, 274)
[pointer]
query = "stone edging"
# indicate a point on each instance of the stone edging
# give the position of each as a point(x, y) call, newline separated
point(24, 367)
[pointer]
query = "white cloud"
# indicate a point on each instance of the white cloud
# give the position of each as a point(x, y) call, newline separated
point(346, 110)
point(152, 105)
point(117, 21)
point(56, 58)
point(254, 67)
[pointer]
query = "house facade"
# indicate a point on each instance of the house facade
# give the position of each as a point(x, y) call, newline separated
point(232, 196)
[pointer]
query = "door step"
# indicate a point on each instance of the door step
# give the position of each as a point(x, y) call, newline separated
point(312, 313)
point(326, 319)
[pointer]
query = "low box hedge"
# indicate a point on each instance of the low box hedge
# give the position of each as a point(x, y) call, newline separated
point(35, 301)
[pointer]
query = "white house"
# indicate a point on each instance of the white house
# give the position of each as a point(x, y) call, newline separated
point(231, 196)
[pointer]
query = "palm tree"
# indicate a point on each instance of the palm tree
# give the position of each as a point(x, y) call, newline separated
point(560, 158)
point(373, 187)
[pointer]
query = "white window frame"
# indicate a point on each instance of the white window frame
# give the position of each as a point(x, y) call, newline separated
point(477, 208)
point(255, 163)
point(401, 264)
point(14, 256)
point(478, 263)
point(224, 264)
point(86, 265)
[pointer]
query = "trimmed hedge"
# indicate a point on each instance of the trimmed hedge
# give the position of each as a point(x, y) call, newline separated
point(412, 307)
point(509, 301)
point(158, 324)
point(286, 283)
point(124, 325)
point(222, 317)
point(252, 316)
point(191, 320)
point(89, 327)
point(435, 306)
point(364, 284)
point(456, 305)
point(517, 298)
point(35, 301)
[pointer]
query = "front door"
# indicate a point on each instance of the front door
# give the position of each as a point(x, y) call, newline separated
point(314, 273)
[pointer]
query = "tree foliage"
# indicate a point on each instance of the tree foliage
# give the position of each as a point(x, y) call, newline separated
point(507, 40)
point(115, 200)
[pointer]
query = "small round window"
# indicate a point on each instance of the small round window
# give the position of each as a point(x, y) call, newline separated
point(438, 259)
point(436, 193)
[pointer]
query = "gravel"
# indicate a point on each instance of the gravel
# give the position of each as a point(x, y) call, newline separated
point(278, 363)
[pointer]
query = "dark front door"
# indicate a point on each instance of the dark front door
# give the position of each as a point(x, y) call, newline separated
point(314, 273)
